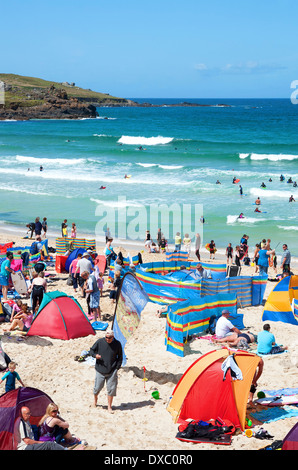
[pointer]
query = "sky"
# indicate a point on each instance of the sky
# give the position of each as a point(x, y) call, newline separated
point(156, 49)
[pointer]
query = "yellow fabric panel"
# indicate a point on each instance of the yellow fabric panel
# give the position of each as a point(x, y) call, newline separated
point(247, 364)
point(278, 301)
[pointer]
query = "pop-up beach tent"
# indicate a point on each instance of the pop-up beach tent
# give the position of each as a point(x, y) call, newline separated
point(10, 409)
point(60, 316)
point(73, 255)
point(279, 303)
point(290, 442)
point(206, 392)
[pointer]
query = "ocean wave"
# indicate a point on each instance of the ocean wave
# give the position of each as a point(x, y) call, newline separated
point(164, 167)
point(271, 193)
point(232, 219)
point(290, 227)
point(132, 140)
point(50, 161)
point(115, 204)
point(147, 165)
point(22, 190)
point(270, 157)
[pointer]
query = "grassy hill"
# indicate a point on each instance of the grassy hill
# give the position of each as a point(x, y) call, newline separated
point(30, 91)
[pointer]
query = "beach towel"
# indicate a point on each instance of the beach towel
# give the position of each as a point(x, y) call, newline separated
point(274, 414)
point(282, 391)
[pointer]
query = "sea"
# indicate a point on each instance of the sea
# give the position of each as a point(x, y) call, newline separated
point(159, 167)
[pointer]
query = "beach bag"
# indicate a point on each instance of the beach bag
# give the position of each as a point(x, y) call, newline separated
point(212, 325)
point(69, 281)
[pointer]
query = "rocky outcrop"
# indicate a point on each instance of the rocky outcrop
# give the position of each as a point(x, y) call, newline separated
point(52, 104)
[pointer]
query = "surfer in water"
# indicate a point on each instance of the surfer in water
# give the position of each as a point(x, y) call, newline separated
point(102, 187)
point(258, 201)
point(241, 216)
point(291, 198)
point(257, 209)
point(263, 185)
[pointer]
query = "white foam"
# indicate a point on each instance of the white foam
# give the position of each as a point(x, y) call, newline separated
point(118, 204)
point(170, 167)
point(271, 193)
point(232, 219)
point(271, 157)
point(290, 227)
point(50, 161)
point(147, 165)
point(139, 140)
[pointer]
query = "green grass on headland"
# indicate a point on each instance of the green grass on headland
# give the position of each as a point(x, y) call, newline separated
point(30, 91)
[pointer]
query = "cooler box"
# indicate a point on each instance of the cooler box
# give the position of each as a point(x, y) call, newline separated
point(60, 263)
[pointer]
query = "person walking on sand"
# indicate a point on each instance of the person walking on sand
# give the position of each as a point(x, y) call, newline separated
point(94, 292)
point(108, 354)
point(11, 376)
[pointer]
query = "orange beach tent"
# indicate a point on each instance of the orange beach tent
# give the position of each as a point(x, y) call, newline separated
point(203, 393)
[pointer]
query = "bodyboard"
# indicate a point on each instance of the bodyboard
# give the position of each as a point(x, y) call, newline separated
point(278, 400)
point(19, 282)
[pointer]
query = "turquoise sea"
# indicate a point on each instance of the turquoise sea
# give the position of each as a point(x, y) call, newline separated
point(174, 155)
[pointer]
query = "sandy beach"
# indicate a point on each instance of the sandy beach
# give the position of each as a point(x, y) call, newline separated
point(139, 422)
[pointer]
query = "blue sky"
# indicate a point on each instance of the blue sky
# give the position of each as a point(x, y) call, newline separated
point(191, 49)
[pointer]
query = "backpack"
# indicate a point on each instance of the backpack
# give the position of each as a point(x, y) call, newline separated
point(212, 324)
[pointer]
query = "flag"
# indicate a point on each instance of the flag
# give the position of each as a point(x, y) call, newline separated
point(131, 301)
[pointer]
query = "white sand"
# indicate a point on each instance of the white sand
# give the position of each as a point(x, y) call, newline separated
point(139, 421)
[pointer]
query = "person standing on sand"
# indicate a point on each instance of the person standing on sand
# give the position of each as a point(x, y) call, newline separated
point(286, 259)
point(64, 228)
point(44, 224)
point(5, 271)
point(108, 354)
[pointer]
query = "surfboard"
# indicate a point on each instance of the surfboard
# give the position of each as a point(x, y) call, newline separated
point(208, 248)
point(278, 400)
point(19, 282)
point(100, 261)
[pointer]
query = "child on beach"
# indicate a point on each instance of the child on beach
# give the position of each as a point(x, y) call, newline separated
point(163, 245)
point(100, 282)
point(115, 286)
point(186, 243)
point(10, 376)
point(212, 249)
point(229, 254)
point(21, 320)
point(178, 242)
point(73, 233)
point(17, 308)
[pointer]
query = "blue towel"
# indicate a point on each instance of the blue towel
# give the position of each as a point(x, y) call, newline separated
point(274, 414)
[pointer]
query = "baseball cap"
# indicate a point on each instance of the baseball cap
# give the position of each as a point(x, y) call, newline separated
point(225, 311)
